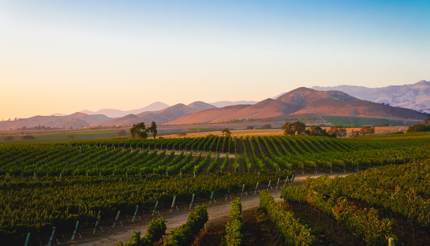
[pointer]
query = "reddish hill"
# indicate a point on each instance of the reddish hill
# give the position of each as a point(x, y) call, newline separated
point(160, 116)
point(302, 101)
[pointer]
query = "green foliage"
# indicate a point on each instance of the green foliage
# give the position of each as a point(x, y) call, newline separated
point(419, 128)
point(185, 234)
point(315, 131)
point(233, 228)
point(292, 231)
point(337, 131)
point(139, 130)
point(34, 203)
point(156, 230)
point(153, 129)
point(401, 189)
point(326, 195)
point(57, 183)
point(294, 128)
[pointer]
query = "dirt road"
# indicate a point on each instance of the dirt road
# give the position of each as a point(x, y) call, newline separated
point(176, 218)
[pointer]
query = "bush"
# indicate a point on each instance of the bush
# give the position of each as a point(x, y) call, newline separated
point(156, 230)
point(419, 128)
point(292, 231)
point(233, 228)
point(184, 235)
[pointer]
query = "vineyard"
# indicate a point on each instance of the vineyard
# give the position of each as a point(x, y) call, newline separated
point(51, 191)
point(372, 207)
point(209, 155)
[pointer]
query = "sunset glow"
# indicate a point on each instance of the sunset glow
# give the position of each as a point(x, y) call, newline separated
point(67, 56)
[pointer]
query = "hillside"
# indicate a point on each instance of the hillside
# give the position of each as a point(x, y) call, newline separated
point(302, 101)
point(413, 96)
point(296, 103)
point(72, 121)
point(114, 113)
point(161, 116)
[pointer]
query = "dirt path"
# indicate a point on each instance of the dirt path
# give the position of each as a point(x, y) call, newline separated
point(174, 219)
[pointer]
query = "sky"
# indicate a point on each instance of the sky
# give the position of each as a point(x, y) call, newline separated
point(66, 56)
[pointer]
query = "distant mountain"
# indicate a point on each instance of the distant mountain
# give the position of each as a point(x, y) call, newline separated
point(301, 101)
point(114, 113)
point(222, 104)
point(72, 121)
point(413, 96)
point(161, 116)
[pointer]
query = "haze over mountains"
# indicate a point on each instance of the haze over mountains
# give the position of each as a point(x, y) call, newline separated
point(157, 106)
point(113, 113)
point(413, 96)
point(299, 102)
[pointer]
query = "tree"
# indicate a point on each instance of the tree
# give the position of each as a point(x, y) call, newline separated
point(153, 129)
point(419, 128)
point(226, 132)
point(367, 130)
point(316, 131)
point(294, 128)
point(139, 130)
point(337, 131)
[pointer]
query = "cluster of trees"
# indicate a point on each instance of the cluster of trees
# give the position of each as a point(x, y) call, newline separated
point(423, 127)
point(139, 130)
point(299, 128)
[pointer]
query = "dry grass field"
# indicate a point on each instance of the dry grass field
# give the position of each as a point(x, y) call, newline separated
point(276, 132)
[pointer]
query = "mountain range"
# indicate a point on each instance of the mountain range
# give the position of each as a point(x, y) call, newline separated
point(160, 116)
point(300, 102)
point(114, 113)
point(156, 106)
point(413, 96)
point(72, 121)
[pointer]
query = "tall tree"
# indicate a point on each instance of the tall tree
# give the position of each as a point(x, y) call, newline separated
point(153, 129)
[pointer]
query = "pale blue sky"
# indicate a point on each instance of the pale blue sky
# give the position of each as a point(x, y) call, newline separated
point(64, 56)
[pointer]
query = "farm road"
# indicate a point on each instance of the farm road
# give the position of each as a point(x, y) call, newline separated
point(177, 218)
